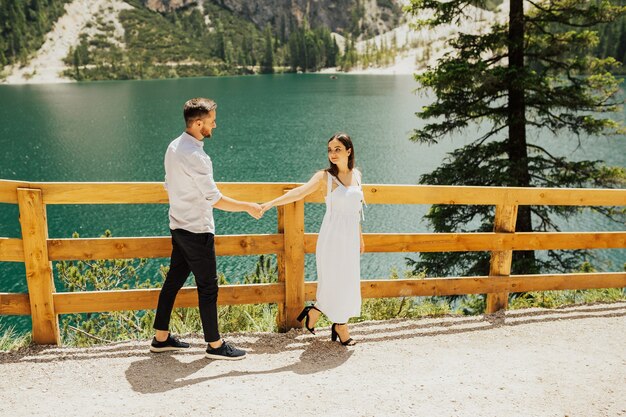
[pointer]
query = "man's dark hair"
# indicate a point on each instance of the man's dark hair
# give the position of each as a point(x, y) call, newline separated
point(197, 108)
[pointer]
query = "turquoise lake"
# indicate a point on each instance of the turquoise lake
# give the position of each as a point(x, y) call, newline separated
point(269, 128)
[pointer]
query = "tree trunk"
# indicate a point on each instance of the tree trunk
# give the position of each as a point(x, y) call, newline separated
point(519, 176)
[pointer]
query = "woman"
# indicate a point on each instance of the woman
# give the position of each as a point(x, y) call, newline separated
point(340, 239)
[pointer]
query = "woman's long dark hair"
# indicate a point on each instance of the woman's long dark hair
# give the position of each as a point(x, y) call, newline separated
point(347, 142)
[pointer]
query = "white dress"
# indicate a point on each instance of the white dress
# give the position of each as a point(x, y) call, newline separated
point(338, 252)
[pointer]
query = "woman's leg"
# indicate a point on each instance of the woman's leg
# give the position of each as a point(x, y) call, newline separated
point(314, 315)
point(342, 331)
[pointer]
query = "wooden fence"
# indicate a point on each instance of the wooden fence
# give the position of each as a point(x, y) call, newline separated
point(36, 250)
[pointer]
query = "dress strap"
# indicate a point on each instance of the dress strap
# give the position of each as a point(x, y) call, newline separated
point(329, 183)
point(329, 190)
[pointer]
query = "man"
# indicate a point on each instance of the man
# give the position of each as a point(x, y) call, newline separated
point(192, 195)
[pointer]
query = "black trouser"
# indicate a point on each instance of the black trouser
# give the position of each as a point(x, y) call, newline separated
point(191, 252)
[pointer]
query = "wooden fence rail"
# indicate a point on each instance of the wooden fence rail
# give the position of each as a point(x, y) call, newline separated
point(36, 250)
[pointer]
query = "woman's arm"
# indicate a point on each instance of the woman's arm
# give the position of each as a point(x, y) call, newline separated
point(297, 193)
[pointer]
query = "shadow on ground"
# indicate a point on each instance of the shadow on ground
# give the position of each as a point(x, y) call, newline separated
point(157, 373)
point(163, 373)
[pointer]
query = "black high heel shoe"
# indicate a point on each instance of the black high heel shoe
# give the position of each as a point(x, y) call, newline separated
point(334, 335)
point(305, 314)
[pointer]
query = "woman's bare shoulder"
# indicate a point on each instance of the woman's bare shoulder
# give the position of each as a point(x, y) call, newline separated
point(320, 175)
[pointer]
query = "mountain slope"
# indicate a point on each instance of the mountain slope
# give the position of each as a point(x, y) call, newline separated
point(115, 39)
point(136, 39)
point(23, 25)
point(79, 17)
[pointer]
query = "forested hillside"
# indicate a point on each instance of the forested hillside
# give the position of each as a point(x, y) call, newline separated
point(192, 41)
point(24, 24)
point(217, 37)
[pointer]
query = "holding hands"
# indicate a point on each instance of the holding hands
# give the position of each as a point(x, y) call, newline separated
point(265, 207)
point(258, 210)
point(255, 210)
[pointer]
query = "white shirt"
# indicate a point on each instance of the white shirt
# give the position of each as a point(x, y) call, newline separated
point(190, 186)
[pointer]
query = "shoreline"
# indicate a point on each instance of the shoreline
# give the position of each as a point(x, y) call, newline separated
point(392, 70)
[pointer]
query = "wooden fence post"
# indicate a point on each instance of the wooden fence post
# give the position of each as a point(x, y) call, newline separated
point(38, 266)
point(280, 263)
point(500, 263)
point(293, 265)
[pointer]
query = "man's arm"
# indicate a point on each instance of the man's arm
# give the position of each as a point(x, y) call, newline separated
point(203, 178)
point(230, 204)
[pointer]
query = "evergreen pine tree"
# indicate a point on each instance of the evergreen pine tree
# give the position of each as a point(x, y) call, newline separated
point(267, 64)
point(535, 71)
point(220, 42)
point(621, 43)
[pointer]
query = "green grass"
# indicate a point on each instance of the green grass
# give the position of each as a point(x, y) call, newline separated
point(11, 340)
point(554, 299)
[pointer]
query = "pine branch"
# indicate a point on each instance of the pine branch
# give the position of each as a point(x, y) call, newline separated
point(542, 149)
point(593, 15)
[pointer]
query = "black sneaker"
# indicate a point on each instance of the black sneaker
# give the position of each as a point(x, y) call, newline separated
point(226, 351)
point(171, 343)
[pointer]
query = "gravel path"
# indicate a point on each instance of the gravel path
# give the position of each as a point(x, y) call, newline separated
point(564, 362)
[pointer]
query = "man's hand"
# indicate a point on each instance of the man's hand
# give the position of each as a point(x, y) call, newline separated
point(255, 210)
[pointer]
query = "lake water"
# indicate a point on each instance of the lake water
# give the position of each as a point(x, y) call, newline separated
point(269, 128)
